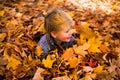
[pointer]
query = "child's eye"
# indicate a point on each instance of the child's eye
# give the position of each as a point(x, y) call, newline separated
point(68, 30)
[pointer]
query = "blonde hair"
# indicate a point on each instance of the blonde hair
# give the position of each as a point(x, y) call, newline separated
point(55, 19)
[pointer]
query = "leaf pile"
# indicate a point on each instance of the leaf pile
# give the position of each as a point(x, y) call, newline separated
point(96, 56)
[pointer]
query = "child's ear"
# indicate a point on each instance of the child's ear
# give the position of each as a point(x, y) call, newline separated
point(53, 34)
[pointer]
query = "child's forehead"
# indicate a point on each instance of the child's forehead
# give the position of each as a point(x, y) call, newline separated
point(64, 26)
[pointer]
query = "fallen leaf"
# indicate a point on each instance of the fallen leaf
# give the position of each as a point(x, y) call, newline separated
point(48, 62)
point(13, 63)
point(2, 36)
point(73, 62)
point(94, 45)
point(81, 50)
point(2, 13)
point(98, 69)
point(68, 54)
point(37, 75)
point(103, 48)
point(38, 50)
point(62, 78)
point(92, 62)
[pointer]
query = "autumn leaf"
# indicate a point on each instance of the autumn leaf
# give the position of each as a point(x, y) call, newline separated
point(73, 62)
point(37, 75)
point(74, 75)
point(71, 13)
point(98, 69)
point(38, 50)
point(2, 36)
point(103, 48)
point(85, 32)
point(61, 78)
point(48, 62)
point(81, 49)
point(94, 45)
point(68, 54)
point(92, 62)
point(2, 13)
point(13, 63)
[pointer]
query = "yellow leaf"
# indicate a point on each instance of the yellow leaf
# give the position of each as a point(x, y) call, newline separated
point(85, 32)
point(38, 50)
point(94, 45)
point(73, 75)
point(2, 13)
point(13, 63)
point(48, 62)
point(98, 69)
point(71, 13)
point(73, 62)
point(2, 36)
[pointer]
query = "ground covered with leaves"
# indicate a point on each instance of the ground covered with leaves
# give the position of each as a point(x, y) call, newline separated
point(96, 56)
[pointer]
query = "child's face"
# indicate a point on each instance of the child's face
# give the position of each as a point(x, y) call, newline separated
point(63, 35)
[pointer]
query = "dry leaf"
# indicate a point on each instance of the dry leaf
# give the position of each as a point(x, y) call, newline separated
point(2, 36)
point(48, 62)
point(103, 48)
point(38, 50)
point(81, 50)
point(68, 54)
point(94, 45)
point(13, 63)
point(62, 78)
point(98, 69)
point(37, 75)
point(73, 62)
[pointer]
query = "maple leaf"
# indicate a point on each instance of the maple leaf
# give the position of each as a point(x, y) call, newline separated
point(94, 45)
point(13, 63)
point(92, 62)
point(48, 62)
point(38, 50)
point(81, 50)
point(68, 54)
point(85, 32)
point(98, 69)
point(73, 62)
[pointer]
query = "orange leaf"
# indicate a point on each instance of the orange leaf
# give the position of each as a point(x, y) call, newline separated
point(73, 62)
point(68, 54)
point(103, 48)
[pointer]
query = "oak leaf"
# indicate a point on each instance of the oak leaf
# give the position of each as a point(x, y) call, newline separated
point(48, 62)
